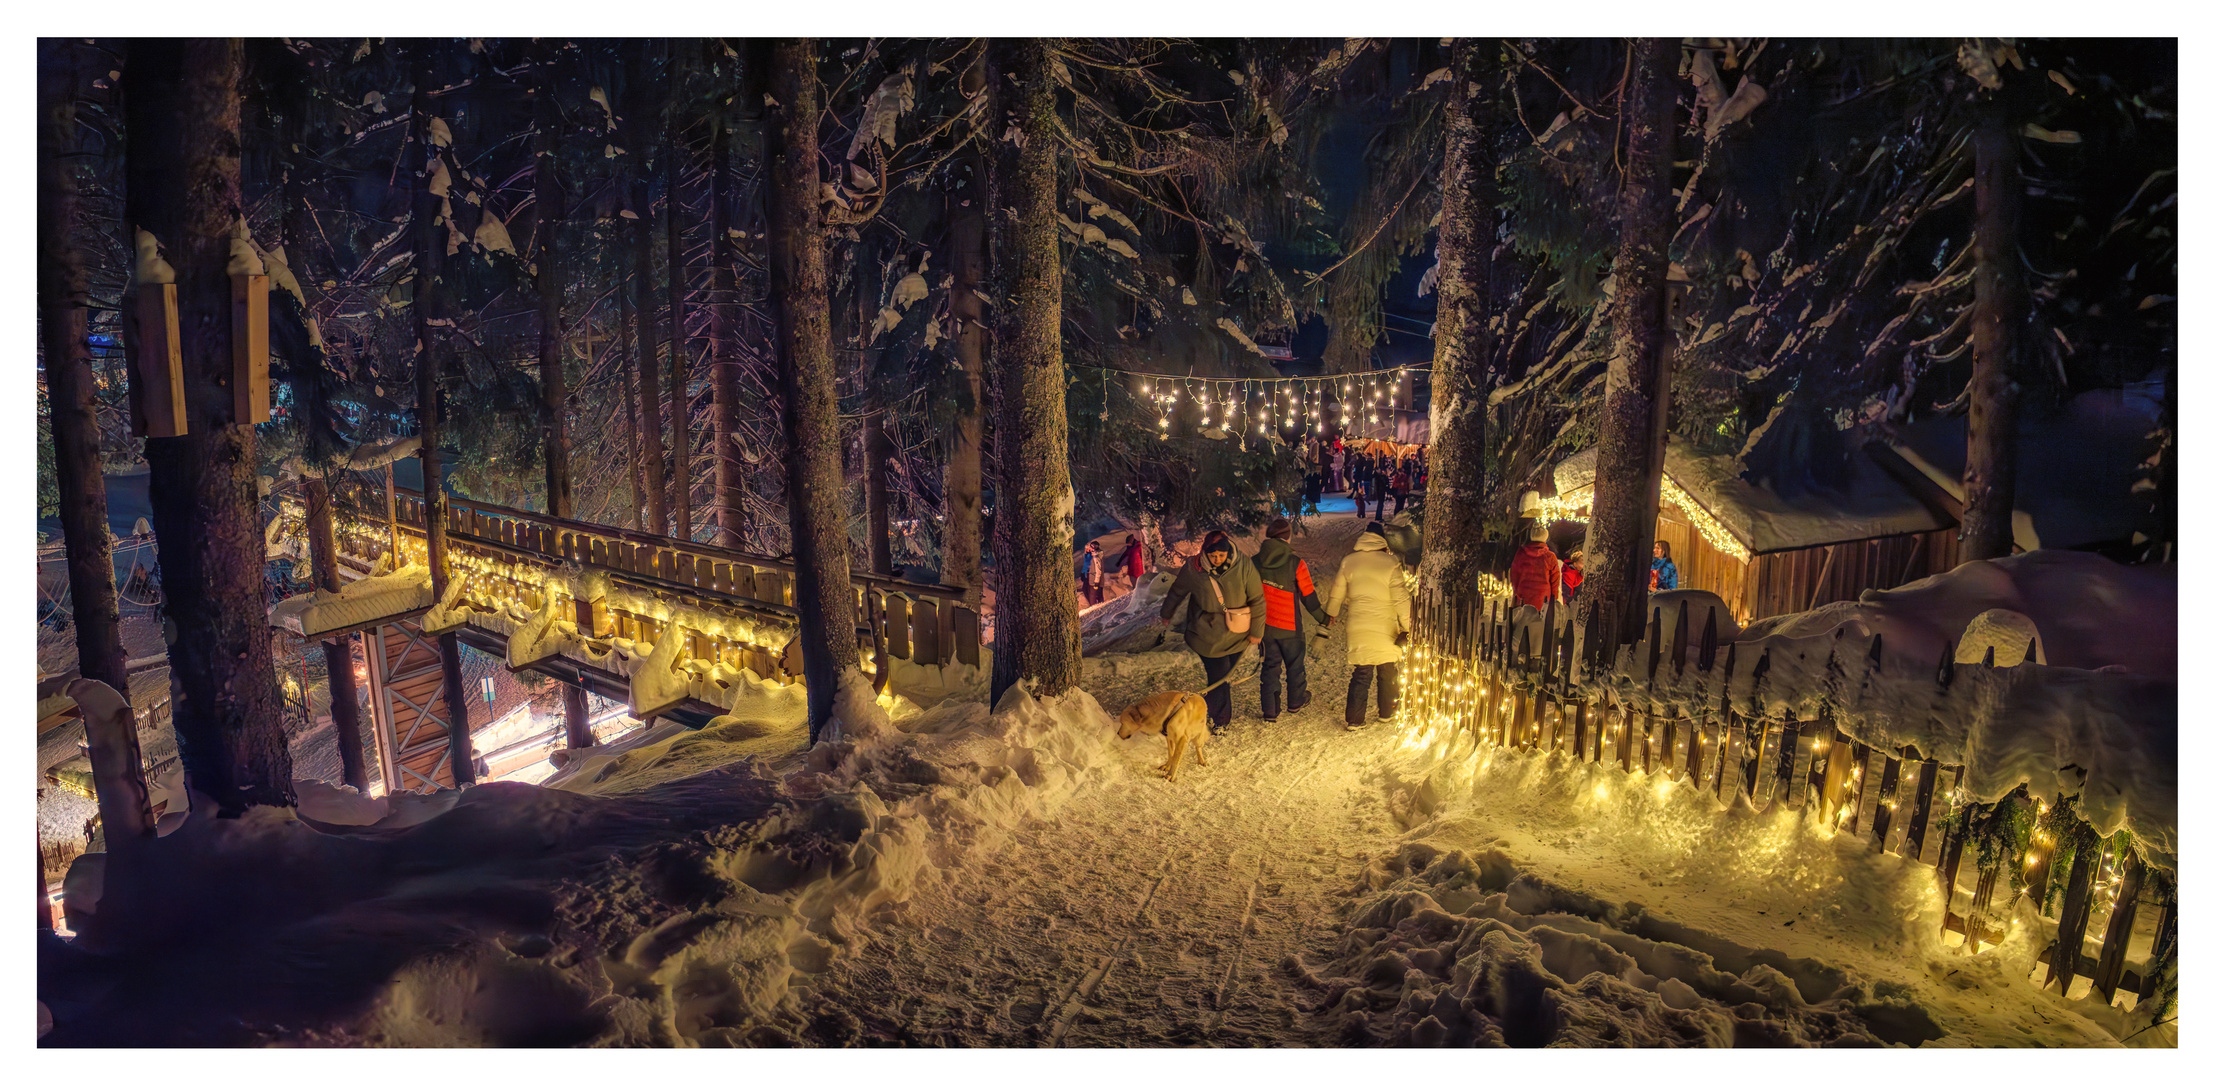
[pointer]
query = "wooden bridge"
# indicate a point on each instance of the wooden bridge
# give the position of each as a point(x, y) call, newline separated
point(672, 627)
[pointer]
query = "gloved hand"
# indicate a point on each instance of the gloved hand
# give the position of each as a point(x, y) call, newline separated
point(1400, 638)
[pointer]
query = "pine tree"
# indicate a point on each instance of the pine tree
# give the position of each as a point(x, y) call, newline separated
point(429, 257)
point(800, 297)
point(1461, 375)
point(1035, 635)
point(1628, 470)
point(960, 550)
point(1989, 475)
point(182, 163)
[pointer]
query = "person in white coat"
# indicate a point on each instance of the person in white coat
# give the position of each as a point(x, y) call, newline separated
point(1369, 597)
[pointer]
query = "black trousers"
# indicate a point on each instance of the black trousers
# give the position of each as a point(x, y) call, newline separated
point(1400, 502)
point(1219, 699)
point(1358, 691)
point(1380, 506)
point(1286, 656)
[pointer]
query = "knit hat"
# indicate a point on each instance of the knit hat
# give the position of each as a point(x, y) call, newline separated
point(1538, 533)
point(1377, 527)
point(1216, 541)
point(1280, 528)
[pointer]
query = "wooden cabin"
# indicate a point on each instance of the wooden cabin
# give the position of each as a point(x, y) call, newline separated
point(1882, 506)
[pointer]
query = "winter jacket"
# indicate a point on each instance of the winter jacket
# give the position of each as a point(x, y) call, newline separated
point(1572, 577)
point(1535, 575)
point(1205, 629)
point(1088, 566)
point(1134, 558)
point(1372, 591)
point(1287, 588)
point(1662, 575)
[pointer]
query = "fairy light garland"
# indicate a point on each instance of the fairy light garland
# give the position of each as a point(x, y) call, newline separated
point(1221, 401)
point(1578, 506)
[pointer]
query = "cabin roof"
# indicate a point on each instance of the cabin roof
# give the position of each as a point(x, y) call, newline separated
point(2074, 478)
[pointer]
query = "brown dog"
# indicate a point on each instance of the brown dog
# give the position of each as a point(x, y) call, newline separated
point(1177, 715)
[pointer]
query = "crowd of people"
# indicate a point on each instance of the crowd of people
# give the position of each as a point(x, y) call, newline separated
point(1537, 575)
point(1232, 603)
point(1368, 471)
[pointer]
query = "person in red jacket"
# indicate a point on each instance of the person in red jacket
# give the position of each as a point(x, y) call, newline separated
point(1287, 587)
point(1536, 575)
point(1134, 559)
point(1573, 575)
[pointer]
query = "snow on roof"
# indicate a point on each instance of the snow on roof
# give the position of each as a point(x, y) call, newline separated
point(1866, 503)
point(1800, 486)
point(2074, 469)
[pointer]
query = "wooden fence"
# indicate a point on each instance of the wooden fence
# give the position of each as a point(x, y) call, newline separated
point(920, 624)
point(1519, 684)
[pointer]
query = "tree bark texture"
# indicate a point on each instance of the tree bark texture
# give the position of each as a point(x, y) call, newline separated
point(656, 465)
point(1989, 473)
point(1462, 350)
point(548, 205)
point(1035, 632)
point(680, 364)
point(961, 554)
point(876, 499)
point(1628, 472)
point(800, 299)
point(182, 165)
point(723, 347)
point(635, 467)
point(430, 252)
point(338, 653)
point(72, 411)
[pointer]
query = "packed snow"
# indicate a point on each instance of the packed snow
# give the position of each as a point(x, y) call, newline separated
point(936, 872)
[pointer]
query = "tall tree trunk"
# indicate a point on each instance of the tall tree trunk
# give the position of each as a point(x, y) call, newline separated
point(546, 184)
point(430, 252)
point(876, 499)
point(73, 413)
point(1461, 368)
point(1035, 633)
point(799, 289)
point(1628, 473)
point(338, 653)
point(650, 376)
point(182, 165)
point(961, 554)
point(724, 347)
point(635, 461)
point(546, 180)
point(111, 736)
point(680, 363)
point(655, 466)
point(1989, 475)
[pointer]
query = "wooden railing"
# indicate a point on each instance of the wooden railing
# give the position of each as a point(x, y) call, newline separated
point(1521, 684)
point(917, 623)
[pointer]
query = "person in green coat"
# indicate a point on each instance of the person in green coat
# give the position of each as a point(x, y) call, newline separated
point(1223, 601)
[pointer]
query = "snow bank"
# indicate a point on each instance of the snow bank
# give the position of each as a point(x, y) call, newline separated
point(667, 889)
point(1462, 949)
point(2097, 718)
point(369, 599)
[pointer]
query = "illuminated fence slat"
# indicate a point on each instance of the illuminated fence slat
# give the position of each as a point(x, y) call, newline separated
point(1535, 682)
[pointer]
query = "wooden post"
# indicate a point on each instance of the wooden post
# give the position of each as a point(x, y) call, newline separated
point(250, 349)
point(1973, 925)
point(1888, 793)
point(2077, 911)
point(1919, 814)
point(2109, 973)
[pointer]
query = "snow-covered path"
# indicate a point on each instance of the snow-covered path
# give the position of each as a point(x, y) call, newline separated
point(1143, 913)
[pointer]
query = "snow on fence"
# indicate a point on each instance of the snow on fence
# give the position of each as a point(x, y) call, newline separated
point(723, 608)
point(1678, 711)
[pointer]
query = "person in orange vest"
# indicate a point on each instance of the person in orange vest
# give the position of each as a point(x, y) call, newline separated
point(1536, 575)
point(1287, 587)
